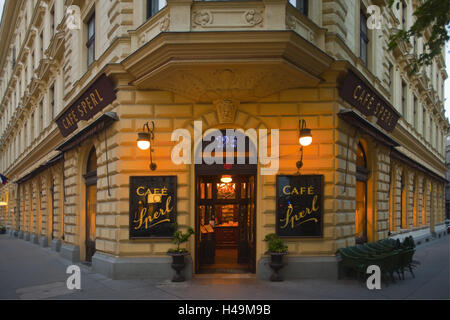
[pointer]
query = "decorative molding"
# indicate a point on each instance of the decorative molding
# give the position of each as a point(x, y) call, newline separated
point(202, 18)
point(164, 24)
point(291, 22)
point(253, 17)
point(227, 18)
point(226, 110)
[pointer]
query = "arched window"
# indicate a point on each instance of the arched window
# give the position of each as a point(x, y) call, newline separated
point(91, 202)
point(402, 201)
point(361, 160)
point(362, 175)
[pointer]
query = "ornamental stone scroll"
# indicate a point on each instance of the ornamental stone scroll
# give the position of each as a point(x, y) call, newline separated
point(226, 110)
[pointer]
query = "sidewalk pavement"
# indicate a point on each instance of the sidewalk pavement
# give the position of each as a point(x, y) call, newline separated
point(28, 271)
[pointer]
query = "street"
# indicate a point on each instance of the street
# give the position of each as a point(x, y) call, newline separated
point(28, 271)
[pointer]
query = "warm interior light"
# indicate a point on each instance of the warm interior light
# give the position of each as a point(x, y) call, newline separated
point(305, 137)
point(3, 203)
point(226, 179)
point(143, 140)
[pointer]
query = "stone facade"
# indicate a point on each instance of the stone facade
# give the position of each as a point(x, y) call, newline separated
point(181, 65)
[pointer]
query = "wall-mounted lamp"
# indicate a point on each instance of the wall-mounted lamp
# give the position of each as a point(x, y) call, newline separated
point(144, 141)
point(305, 139)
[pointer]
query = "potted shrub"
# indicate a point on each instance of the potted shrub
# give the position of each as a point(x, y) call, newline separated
point(277, 249)
point(2, 230)
point(178, 254)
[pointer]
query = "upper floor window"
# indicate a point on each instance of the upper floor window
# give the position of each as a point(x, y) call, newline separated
point(153, 6)
point(32, 128)
point(364, 38)
point(41, 39)
point(14, 57)
point(52, 20)
point(430, 133)
point(436, 137)
point(90, 44)
point(41, 117)
point(403, 15)
point(301, 5)
point(424, 116)
point(52, 102)
point(415, 112)
point(390, 79)
point(25, 140)
point(403, 99)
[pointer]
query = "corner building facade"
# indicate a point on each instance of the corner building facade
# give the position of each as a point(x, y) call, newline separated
point(79, 79)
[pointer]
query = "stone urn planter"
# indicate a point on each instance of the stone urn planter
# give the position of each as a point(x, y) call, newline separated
point(178, 254)
point(276, 263)
point(277, 250)
point(178, 264)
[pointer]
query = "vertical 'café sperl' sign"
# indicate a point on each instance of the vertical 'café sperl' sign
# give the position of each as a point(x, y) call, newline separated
point(153, 206)
point(363, 97)
point(93, 100)
point(299, 211)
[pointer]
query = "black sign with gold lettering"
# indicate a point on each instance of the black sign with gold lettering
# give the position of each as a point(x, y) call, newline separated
point(299, 211)
point(93, 100)
point(153, 206)
point(363, 97)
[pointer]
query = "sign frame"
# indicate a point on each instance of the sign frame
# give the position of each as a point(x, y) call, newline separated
point(321, 203)
point(360, 94)
point(93, 100)
point(133, 180)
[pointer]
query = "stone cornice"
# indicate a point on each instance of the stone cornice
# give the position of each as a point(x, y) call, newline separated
point(34, 158)
point(415, 147)
point(156, 64)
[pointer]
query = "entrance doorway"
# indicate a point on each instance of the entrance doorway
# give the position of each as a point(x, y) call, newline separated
point(225, 201)
point(225, 221)
point(91, 203)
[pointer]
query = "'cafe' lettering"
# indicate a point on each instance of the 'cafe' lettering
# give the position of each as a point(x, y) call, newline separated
point(93, 100)
point(152, 206)
point(356, 92)
point(299, 205)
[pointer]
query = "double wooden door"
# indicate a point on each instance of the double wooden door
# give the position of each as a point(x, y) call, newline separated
point(212, 198)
